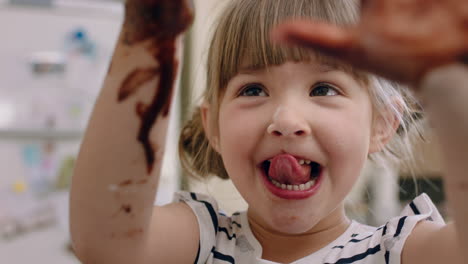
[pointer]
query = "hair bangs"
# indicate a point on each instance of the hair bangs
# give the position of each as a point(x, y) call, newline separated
point(247, 43)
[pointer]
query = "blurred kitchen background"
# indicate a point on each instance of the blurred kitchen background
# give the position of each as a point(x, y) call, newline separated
point(53, 58)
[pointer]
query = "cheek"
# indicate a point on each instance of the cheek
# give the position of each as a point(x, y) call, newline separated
point(238, 139)
point(238, 134)
point(350, 139)
point(345, 138)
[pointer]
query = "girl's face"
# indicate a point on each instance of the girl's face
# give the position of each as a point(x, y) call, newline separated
point(296, 111)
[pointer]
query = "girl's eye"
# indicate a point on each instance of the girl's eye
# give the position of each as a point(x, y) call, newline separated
point(253, 90)
point(323, 89)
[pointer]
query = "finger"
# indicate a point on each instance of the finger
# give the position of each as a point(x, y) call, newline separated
point(464, 59)
point(379, 5)
point(373, 5)
point(324, 37)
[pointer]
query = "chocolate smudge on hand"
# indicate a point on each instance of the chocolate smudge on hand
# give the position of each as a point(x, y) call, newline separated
point(160, 22)
point(156, 19)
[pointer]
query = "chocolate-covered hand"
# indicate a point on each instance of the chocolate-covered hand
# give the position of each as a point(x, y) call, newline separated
point(398, 39)
point(156, 19)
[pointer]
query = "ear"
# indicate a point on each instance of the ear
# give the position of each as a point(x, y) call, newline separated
point(210, 131)
point(384, 127)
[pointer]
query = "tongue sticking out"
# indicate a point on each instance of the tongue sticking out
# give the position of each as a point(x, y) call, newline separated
point(286, 169)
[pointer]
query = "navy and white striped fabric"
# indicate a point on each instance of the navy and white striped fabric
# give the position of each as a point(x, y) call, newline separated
point(228, 239)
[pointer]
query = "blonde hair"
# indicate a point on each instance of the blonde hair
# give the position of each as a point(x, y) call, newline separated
point(242, 37)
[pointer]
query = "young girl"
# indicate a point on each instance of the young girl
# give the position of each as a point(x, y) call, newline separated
point(290, 127)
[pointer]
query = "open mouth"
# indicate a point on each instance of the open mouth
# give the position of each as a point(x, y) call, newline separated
point(304, 184)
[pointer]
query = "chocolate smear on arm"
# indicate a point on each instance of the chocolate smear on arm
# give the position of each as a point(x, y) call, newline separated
point(134, 232)
point(135, 80)
point(126, 208)
point(144, 181)
point(125, 183)
point(161, 22)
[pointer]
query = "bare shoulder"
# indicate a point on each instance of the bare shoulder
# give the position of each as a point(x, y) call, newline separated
point(432, 243)
point(174, 234)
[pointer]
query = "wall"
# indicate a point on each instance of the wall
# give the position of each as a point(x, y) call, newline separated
point(27, 101)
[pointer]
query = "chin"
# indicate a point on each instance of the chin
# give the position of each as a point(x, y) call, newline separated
point(292, 224)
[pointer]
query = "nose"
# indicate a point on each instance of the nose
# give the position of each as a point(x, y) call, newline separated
point(288, 122)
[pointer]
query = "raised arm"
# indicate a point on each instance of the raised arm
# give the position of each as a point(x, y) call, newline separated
point(116, 177)
point(444, 92)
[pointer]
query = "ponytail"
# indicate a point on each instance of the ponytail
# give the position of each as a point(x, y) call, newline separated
point(196, 155)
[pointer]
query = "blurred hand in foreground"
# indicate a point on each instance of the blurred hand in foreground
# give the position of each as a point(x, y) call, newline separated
point(398, 39)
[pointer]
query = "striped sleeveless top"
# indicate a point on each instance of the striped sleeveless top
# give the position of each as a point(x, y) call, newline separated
point(229, 240)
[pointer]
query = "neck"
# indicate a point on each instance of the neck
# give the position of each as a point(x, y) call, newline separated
point(286, 248)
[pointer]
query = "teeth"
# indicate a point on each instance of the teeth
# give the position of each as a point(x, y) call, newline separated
point(303, 161)
point(277, 184)
point(290, 187)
